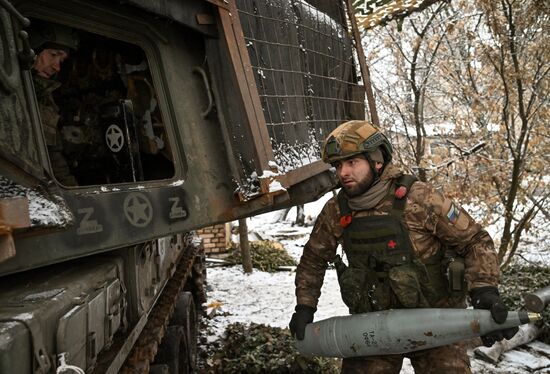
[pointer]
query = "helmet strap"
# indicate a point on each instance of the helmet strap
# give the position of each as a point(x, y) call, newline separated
point(372, 164)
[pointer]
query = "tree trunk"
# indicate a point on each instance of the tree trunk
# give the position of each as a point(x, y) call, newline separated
point(227, 235)
point(245, 246)
point(282, 214)
point(300, 216)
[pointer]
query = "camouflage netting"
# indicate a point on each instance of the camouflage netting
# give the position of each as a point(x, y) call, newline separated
point(379, 12)
point(302, 57)
point(264, 349)
point(266, 255)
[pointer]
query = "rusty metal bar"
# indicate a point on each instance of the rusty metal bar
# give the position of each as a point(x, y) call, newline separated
point(363, 64)
point(262, 202)
point(301, 174)
point(247, 85)
point(14, 214)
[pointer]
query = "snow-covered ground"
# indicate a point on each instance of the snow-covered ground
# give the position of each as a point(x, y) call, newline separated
point(268, 298)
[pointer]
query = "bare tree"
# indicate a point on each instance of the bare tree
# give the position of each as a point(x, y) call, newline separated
point(300, 215)
point(483, 68)
point(405, 97)
point(498, 73)
point(245, 246)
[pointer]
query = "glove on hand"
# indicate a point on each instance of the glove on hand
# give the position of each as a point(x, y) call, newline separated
point(488, 298)
point(299, 320)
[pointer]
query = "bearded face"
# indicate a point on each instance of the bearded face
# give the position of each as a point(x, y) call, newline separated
point(355, 175)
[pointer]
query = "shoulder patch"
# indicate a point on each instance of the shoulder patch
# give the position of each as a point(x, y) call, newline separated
point(452, 214)
point(345, 221)
point(400, 192)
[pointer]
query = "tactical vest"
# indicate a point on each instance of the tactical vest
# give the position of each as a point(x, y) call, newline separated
point(383, 270)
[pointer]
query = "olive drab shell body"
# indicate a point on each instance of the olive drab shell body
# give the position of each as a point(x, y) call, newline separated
point(353, 138)
point(400, 331)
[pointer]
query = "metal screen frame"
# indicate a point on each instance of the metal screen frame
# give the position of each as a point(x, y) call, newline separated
point(305, 73)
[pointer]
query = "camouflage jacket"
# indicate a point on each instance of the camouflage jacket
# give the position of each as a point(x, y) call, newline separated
point(432, 221)
point(49, 111)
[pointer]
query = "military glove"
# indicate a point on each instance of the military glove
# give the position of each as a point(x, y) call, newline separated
point(299, 320)
point(488, 298)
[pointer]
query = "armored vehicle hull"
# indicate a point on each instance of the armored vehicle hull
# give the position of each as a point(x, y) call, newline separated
point(147, 121)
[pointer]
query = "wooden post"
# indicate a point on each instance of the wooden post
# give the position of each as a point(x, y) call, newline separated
point(363, 65)
point(227, 235)
point(245, 246)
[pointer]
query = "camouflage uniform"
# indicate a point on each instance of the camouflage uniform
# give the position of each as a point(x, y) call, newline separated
point(49, 115)
point(431, 228)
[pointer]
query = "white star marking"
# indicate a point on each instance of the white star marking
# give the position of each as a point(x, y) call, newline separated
point(114, 138)
point(138, 209)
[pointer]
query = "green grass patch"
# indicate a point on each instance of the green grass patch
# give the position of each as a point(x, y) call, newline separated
point(257, 348)
point(266, 255)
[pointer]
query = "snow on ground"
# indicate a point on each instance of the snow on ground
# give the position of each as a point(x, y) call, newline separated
point(268, 298)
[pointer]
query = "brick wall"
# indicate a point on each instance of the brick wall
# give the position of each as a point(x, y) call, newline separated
point(214, 239)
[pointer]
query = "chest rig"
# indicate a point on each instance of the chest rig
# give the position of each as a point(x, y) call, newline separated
point(383, 270)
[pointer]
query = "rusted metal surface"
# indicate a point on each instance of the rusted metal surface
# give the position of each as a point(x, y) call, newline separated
point(7, 245)
point(14, 214)
point(258, 204)
point(205, 19)
point(146, 347)
point(233, 33)
point(474, 326)
point(363, 64)
point(415, 344)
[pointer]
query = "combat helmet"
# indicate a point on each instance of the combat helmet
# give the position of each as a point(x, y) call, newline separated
point(356, 137)
point(43, 35)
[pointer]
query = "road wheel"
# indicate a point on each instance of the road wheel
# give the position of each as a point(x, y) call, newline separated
point(185, 315)
point(173, 351)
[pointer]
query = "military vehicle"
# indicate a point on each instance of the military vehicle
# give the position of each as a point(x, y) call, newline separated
point(167, 116)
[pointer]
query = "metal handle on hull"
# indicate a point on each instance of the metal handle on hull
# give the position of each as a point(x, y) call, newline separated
point(202, 73)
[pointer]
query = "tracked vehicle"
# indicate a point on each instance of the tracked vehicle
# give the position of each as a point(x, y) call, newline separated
point(171, 116)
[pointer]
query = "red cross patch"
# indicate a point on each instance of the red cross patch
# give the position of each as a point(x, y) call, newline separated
point(392, 244)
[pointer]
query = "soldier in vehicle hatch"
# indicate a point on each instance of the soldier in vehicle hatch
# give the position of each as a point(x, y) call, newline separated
point(407, 246)
point(52, 44)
